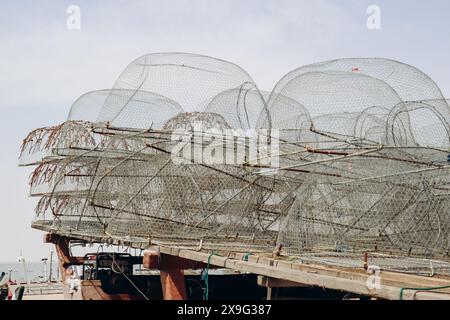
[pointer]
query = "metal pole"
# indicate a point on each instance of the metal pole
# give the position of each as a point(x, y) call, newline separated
point(44, 269)
point(57, 272)
point(25, 270)
point(51, 267)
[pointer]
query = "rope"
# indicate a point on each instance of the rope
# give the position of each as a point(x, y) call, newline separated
point(421, 289)
point(207, 276)
point(123, 273)
point(245, 257)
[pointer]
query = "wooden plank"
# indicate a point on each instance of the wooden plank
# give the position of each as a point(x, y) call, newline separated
point(335, 283)
point(387, 278)
point(214, 260)
point(268, 282)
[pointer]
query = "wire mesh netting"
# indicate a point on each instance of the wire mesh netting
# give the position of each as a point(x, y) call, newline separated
point(361, 163)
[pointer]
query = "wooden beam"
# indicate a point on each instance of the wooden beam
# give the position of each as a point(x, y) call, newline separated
point(268, 282)
point(64, 260)
point(161, 261)
point(62, 250)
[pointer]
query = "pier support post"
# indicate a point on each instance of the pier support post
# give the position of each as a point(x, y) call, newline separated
point(171, 272)
point(173, 286)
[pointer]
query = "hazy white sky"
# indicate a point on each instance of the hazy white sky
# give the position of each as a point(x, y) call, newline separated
point(44, 66)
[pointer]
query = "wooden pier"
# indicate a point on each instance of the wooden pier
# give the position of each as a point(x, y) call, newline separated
point(276, 271)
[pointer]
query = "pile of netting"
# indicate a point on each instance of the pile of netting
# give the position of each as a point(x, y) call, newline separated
point(341, 158)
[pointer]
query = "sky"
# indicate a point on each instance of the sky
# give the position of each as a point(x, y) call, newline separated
point(45, 66)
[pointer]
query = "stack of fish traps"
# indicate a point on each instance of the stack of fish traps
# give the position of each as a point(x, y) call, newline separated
point(352, 157)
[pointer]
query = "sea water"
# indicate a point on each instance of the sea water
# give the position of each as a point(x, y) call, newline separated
point(34, 271)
